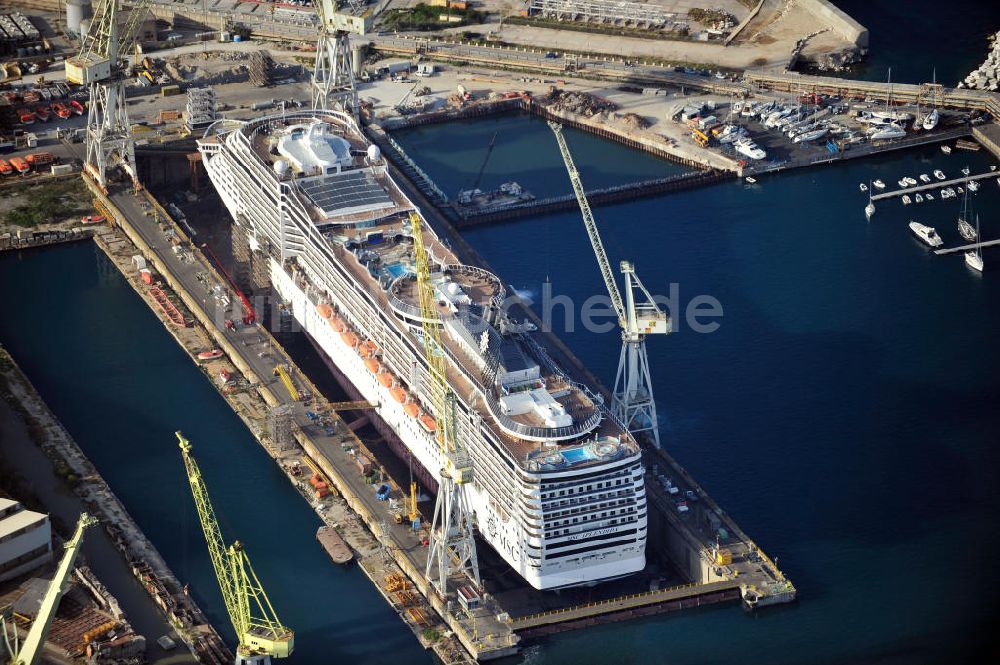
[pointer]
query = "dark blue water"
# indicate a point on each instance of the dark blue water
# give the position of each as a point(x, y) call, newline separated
point(844, 412)
point(122, 386)
point(915, 37)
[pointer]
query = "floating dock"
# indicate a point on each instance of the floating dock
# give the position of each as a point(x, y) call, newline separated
point(334, 544)
point(935, 184)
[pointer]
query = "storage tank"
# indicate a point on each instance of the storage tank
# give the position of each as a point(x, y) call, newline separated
point(76, 12)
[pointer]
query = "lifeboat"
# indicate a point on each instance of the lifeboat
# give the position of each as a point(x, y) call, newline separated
point(337, 324)
point(427, 422)
point(210, 355)
point(411, 409)
point(399, 394)
point(373, 365)
point(367, 349)
point(324, 310)
point(349, 338)
point(385, 378)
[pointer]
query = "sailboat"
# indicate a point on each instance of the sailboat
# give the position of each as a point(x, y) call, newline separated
point(964, 228)
point(931, 119)
point(974, 257)
point(870, 208)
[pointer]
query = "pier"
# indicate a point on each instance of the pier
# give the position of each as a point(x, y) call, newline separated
point(965, 248)
point(935, 184)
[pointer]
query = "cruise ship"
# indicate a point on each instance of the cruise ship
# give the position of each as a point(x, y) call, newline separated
point(558, 489)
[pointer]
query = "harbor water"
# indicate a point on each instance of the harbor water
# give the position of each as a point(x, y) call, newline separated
point(121, 385)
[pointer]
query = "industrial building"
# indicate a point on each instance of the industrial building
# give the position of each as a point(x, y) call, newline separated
point(25, 539)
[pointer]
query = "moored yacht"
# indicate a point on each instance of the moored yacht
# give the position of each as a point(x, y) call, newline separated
point(926, 233)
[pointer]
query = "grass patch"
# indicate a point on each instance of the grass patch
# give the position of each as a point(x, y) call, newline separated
point(425, 17)
point(50, 202)
point(679, 35)
point(432, 634)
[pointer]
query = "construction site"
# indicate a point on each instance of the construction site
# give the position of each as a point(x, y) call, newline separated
point(217, 297)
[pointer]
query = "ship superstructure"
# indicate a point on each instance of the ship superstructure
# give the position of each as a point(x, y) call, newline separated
point(558, 489)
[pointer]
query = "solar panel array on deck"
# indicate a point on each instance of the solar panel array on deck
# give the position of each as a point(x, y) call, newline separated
point(342, 192)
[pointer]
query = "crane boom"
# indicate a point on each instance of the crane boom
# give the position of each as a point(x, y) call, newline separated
point(286, 380)
point(31, 650)
point(588, 221)
point(258, 629)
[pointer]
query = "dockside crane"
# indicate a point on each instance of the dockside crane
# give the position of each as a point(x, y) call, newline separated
point(30, 652)
point(333, 76)
point(452, 546)
point(632, 400)
point(261, 635)
point(102, 66)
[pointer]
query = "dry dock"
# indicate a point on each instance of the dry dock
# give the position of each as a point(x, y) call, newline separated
point(392, 555)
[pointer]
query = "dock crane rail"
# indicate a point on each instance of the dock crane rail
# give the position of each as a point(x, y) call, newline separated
point(261, 635)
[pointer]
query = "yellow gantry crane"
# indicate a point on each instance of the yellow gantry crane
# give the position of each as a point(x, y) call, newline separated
point(261, 634)
point(452, 546)
point(30, 652)
point(280, 372)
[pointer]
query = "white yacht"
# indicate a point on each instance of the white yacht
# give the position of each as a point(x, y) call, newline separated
point(931, 120)
point(910, 181)
point(966, 230)
point(811, 135)
point(879, 184)
point(939, 174)
point(902, 183)
point(887, 132)
point(929, 196)
point(926, 233)
point(973, 186)
point(946, 149)
point(745, 146)
point(925, 178)
point(974, 257)
point(906, 199)
point(869, 210)
point(919, 198)
point(863, 187)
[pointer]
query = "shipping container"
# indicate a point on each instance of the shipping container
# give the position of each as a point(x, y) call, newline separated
point(168, 90)
point(364, 464)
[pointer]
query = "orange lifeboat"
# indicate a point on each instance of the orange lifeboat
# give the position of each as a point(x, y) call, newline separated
point(324, 310)
point(337, 324)
point(411, 409)
point(373, 365)
point(367, 349)
point(385, 378)
point(427, 422)
point(399, 394)
point(349, 338)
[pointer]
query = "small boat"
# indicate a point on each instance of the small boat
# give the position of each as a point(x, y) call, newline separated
point(906, 199)
point(751, 180)
point(863, 187)
point(929, 196)
point(960, 190)
point(966, 230)
point(869, 211)
point(924, 178)
point(881, 185)
point(998, 181)
point(210, 355)
point(973, 186)
point(931, 120)
point(902, 183)
point(919, 198)
point(965, 171)
point(886, 132)
point(910, 181)
point(951, 192)
point(939, 174)
point(926, 233)
point(946, 149)
point(974, 257)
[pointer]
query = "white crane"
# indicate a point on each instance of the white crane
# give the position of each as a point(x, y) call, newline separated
point(30, 652)
point(632, 399)
point(333, 77)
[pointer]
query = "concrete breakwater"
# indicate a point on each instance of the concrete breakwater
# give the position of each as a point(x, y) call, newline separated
point(144, 561)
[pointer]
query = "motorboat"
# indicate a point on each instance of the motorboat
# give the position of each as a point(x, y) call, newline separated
point(210, 355)
point(960, 190)
point(869, 211)
point(926, 233)
point(863, 187)
point(909, 180)
point(924, 177)
point(881, 185)
point(747, 147)
point(928, 196)
point(931, 120)
point(965, 171)
point(946, 149)
point(919, 198)
point(902, 183)
point(951, 192)
point(751, 180)
point(906, 199)
point(939, 174)
point(973, 186)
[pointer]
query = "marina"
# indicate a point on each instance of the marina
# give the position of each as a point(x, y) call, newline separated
point(934, 185)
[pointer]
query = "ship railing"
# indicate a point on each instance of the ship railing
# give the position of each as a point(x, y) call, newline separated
point(462, 268)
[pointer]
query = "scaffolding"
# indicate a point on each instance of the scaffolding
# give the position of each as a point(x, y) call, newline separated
point(260, 67)
point(279, 426)
point(200, 111)
point(608, 12)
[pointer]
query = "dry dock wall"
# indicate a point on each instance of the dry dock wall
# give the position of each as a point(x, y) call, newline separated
point(838, 20)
